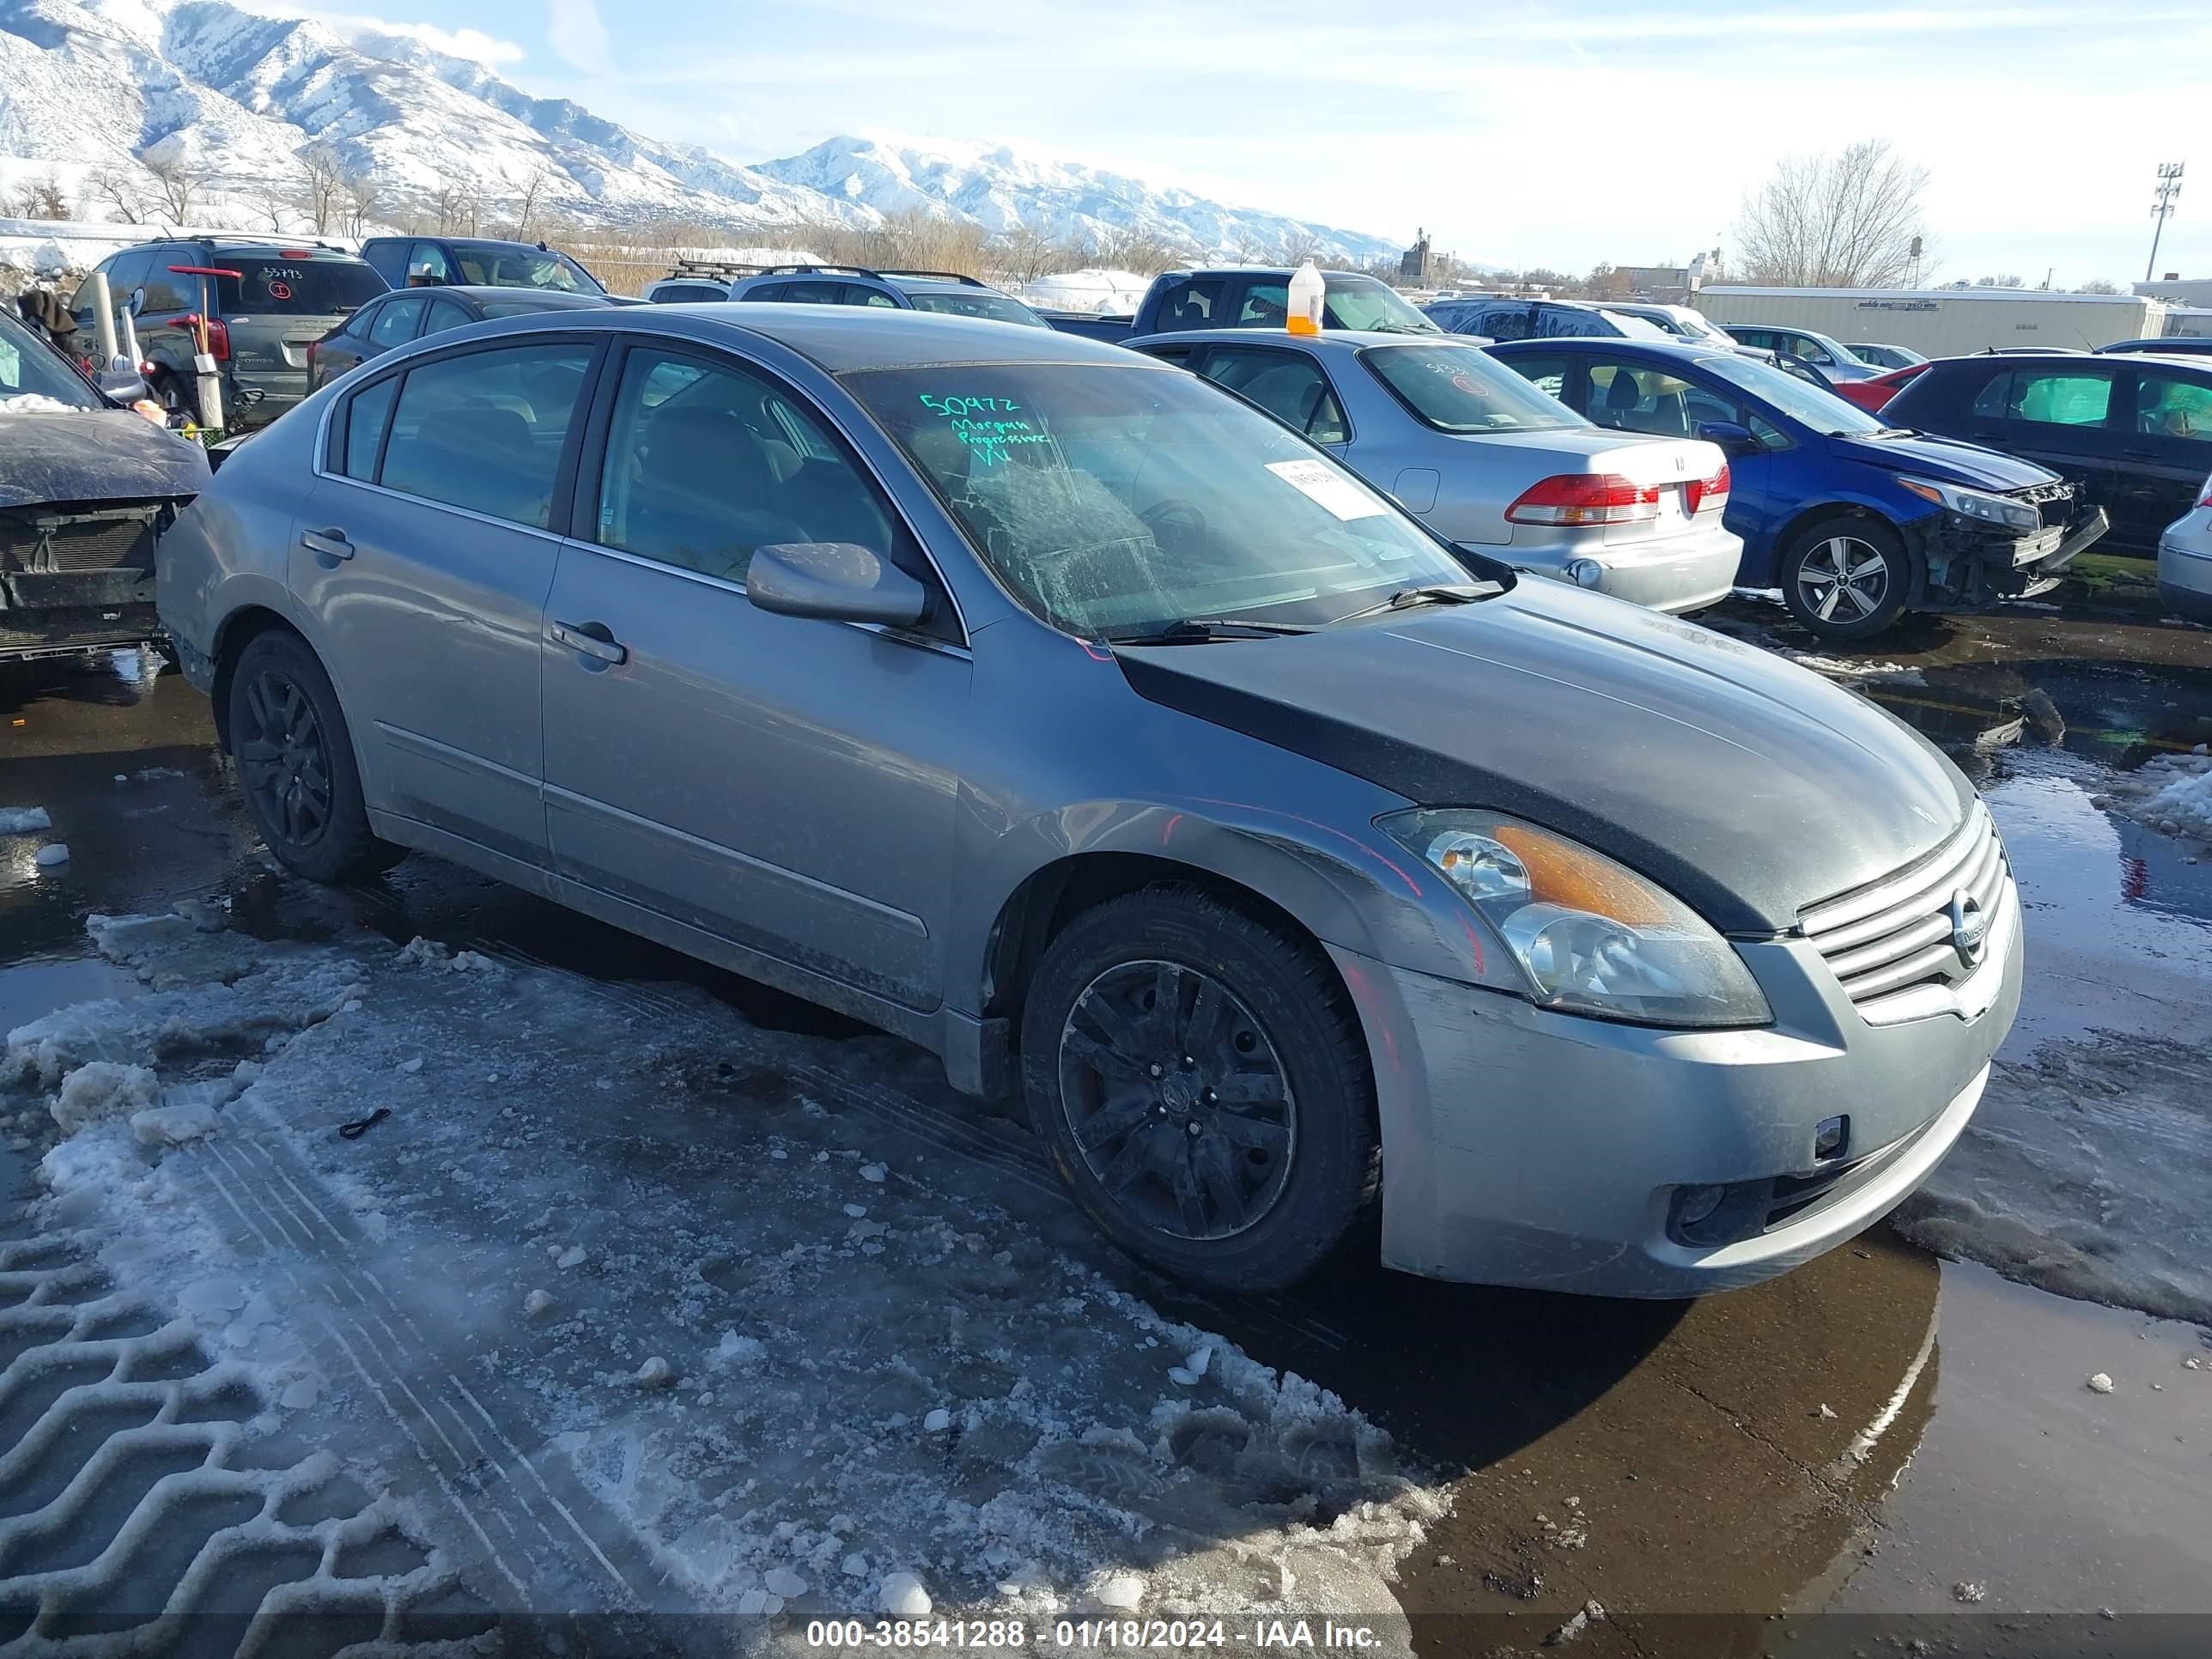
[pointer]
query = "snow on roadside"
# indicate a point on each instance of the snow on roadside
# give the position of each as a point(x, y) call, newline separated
point(2170, 793)
point(811, 1342)
point(23, 820)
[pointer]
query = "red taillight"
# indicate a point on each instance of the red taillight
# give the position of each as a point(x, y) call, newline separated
point(219, 342)
point(313, 346)
point(1583, 498)
point(2207, 502)
point(1701, 492)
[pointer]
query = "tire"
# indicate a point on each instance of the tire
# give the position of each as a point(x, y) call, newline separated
point(1244, 1187)
point(1828, 566)
point(296, 763)
point(175, 395)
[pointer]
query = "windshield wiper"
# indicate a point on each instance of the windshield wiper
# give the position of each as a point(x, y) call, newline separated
point(1198, 630)
point(1432, 593)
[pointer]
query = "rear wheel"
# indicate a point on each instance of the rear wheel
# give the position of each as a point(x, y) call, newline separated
point(295, 761)
point(1202, 1087)
point(1846, 578)
point(175, 396)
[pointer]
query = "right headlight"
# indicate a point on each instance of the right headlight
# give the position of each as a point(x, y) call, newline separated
point(1588, 935)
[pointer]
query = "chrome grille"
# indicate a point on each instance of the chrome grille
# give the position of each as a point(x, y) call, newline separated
point(1896, 934)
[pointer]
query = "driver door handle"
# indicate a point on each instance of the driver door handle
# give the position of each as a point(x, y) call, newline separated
point(594, 639)
point(330, 544)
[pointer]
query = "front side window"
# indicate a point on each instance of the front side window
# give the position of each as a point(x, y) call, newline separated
point(1289, 385)
point(395, 321)
point(2167, 406)
point(428, 265)
point(2042, 398)
point(28, 368)
point(1461, 389)
point(1545, 371)
point(706, 462)
point(169, 289)
point(1112, 501)
point(486, 265)
point(811, 293)
point(484, 430)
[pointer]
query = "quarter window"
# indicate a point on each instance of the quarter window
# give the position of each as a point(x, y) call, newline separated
point(2044, 398)
point(368, 415)
point(483, 431)
point(1289, 385)
point(706, 462)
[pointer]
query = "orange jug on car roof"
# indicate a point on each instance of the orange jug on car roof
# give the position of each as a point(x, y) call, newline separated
point(1303, 315)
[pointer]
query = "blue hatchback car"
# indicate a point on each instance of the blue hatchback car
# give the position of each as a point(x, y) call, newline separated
point(1855, 522)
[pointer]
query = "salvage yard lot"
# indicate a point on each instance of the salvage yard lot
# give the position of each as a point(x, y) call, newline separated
point(656, 1295)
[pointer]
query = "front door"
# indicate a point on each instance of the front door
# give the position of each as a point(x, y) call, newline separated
point(2058, 417)
point(786, 784)
point(424, 557)
point(2165, 454)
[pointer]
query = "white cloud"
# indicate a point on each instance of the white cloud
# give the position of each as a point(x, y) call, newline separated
point(472, 44)
point(576, 31)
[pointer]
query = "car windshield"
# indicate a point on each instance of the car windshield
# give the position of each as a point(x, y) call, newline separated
point(1801, 400)
point(272, 285)
point(1363, 302)
point(1691, 326)
point(1462, 388)
point(484, 265)
point(1117, 501)
point(30, 369)
point(970, 303)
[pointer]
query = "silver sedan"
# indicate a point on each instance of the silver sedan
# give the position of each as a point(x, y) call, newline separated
point(1488, 462)
point(2184, 562)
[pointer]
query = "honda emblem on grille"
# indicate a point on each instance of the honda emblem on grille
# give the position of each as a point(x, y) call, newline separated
point(1970, 926)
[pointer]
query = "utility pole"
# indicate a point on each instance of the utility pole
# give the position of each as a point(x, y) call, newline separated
point(2169, 186)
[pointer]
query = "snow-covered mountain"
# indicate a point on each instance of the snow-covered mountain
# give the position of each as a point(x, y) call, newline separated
point(238, 96)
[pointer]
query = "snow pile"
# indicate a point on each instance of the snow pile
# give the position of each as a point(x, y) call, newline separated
point(1107, 293)
point(2170, 793)
point(23, 820)
point(744, 1400)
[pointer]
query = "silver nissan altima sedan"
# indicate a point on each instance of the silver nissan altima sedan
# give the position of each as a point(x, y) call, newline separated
point(1459, 441)
point(1063, 715)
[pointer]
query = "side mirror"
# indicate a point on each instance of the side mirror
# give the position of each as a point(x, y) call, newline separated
point(120, 381)
point(136, 305)
point(833, 581)
point(1735, 439)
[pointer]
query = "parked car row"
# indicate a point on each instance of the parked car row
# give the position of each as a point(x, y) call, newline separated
point(1299, 814)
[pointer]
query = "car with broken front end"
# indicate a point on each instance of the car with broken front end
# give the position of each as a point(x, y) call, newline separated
point(1066, 715)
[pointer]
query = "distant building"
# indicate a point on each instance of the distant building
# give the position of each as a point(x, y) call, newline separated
point(2178, 291)
point(1416, 265)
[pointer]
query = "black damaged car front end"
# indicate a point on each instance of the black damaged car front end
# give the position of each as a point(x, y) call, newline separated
point(1980, 548)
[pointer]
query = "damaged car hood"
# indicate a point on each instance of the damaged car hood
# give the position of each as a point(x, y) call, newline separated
point(1749, 787)
point(94, 455)
point(1948, 460)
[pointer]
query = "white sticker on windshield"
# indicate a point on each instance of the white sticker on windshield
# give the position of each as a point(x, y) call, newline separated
point(1329, 489)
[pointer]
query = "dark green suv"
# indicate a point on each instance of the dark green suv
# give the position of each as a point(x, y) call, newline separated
point(265, 302)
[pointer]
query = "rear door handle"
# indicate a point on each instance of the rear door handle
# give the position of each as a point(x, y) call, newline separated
point(592, 639)
point(330, 544)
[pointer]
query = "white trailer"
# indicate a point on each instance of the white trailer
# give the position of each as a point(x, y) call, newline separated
point(1942, 322)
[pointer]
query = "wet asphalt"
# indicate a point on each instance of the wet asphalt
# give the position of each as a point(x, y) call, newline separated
point(1876, 1451)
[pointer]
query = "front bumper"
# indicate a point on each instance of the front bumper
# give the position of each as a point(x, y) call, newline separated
point(1531, 1148)
point(1687, 571)
point(1968, 564)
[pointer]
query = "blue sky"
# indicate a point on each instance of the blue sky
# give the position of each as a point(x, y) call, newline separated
point(1520, 131)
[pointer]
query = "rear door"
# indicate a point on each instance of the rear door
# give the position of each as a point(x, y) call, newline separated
point(424, 559)
point(717, 765)
point(2166, 452)
point(2064, 416)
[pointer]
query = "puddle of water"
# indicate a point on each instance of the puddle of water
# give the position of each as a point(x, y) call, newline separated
point(31, 990)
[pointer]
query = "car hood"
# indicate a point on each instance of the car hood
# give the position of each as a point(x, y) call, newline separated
point(1747, 785)
point(1946, 459)
point(95, 455)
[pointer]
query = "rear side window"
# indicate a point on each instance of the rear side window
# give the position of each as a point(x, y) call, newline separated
point(684, 294)
point(2168, 406)
point(1462, 388)
point(169, 290)
point(1289, 385)
point(1504, 323)
point(1557, 322)
point(395, 320)
point(811, 294)
point(2042, 398)
point(1194, 302)
point(446, 314)
point(857, 294)
point(293, 288)
point(483, 431)
point(368, 415)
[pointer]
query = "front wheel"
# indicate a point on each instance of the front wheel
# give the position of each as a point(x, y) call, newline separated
point(295, 760)
point(1846, 578)
point(1203, 1089)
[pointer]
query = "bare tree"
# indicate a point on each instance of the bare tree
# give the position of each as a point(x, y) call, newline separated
point(456, 209)
point(1852, 219)
point(360, 202)
point(2099, 285)
point(115, 187)
point(322, 181)
point(2000, 282)
point(274, 204)
point(533, 194)
point(42, 198)
point(177, 186)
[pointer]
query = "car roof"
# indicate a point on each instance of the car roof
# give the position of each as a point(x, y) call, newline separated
point(1331, 339)
point(551, 299)
point(270, 247)
point(841, 339)
point(1254, 270)
point(1671, 346)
